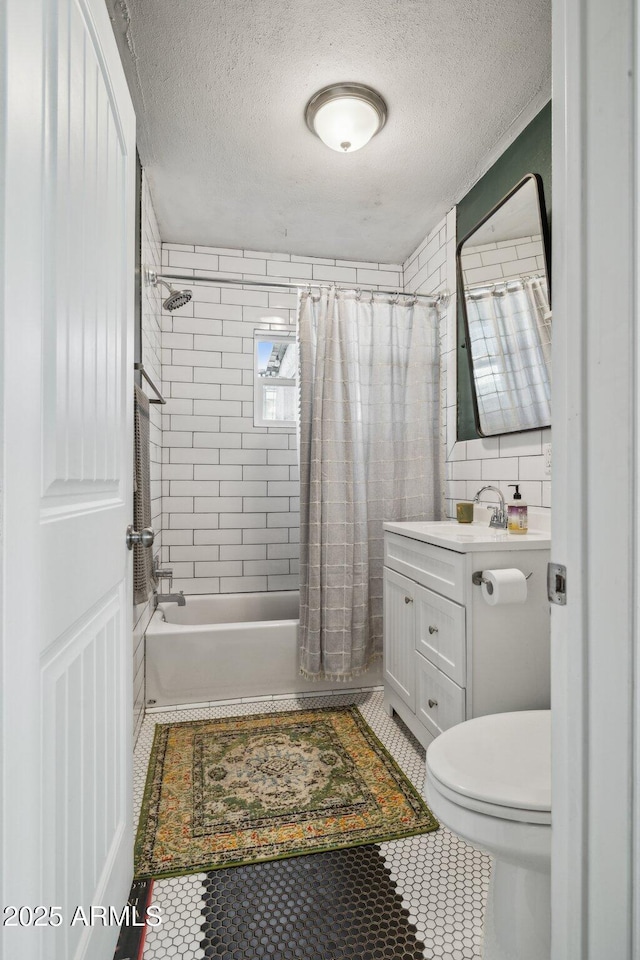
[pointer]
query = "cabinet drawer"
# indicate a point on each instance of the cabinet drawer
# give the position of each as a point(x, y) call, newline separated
point(440, 702)
point(440, 633)
point(434, 567)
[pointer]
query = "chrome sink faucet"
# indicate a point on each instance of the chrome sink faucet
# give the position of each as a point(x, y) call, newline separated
point(499, 515)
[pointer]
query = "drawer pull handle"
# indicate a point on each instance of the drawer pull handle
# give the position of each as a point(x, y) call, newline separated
point(433, 703)
point(433, 629)
point(408, 599)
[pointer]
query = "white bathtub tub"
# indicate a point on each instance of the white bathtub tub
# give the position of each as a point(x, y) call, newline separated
point(222, 647)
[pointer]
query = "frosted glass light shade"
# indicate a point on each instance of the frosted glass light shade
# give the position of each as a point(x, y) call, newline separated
point(346, 124)
point(346, 116)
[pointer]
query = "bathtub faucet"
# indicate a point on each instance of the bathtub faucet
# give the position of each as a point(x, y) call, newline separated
point(162, 574)
point(166, 574)
point(178, 598)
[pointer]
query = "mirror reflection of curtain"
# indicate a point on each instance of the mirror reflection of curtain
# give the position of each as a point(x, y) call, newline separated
point(369, 452)
point(510, 343)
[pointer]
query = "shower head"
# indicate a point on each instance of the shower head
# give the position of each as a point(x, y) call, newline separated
point(176, 298)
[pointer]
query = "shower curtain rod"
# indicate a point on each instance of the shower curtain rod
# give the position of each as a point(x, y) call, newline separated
point(153, 277)
point(484, 285)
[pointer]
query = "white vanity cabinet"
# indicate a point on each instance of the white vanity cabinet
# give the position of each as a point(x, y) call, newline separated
point(448, 654)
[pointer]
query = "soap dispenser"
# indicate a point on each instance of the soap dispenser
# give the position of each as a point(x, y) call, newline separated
point(518, 521)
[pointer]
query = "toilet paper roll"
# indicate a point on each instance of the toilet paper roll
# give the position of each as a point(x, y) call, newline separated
point(504, 586)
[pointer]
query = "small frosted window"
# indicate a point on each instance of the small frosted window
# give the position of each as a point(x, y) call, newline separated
point(279, 403)
point(275, 394)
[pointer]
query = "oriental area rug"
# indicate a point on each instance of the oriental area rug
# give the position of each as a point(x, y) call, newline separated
point(241, 790)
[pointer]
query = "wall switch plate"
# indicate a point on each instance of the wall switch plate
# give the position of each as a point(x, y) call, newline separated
point(546, 450)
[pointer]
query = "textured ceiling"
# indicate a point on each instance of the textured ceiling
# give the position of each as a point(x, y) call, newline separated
point(220, 88)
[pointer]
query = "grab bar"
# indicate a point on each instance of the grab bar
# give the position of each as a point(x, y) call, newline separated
point(140, 368)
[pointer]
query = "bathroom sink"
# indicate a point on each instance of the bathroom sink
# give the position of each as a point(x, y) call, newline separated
point(466, 537)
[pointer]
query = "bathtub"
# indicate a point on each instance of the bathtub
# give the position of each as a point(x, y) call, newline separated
point(227, 646)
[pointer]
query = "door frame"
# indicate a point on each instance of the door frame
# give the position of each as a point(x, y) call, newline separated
point(27, 85)
point(595, 495)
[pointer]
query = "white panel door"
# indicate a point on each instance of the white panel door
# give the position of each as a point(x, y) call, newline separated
point(68, 145)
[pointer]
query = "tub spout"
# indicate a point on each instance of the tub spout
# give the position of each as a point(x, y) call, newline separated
point(178, 598)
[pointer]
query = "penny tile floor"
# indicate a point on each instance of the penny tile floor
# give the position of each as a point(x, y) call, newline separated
point(418, 897)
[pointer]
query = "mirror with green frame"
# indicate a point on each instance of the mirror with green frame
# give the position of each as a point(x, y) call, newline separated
point(503, 279)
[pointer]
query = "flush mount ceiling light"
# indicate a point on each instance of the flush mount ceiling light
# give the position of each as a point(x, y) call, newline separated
point(346, 115)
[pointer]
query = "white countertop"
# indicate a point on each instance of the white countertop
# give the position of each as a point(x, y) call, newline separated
point(468, 537)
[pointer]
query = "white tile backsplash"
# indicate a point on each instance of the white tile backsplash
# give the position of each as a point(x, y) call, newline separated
point(501, 468)
point(466, 470)
point(482, 449)
point(527, 444)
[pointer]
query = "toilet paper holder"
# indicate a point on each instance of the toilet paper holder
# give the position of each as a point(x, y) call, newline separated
point(478, 578)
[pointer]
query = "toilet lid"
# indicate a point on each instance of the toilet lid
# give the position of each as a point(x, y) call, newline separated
point(502, 759)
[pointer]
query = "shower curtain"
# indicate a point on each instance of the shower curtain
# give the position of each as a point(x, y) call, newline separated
point(510, 342)
point(369, 452)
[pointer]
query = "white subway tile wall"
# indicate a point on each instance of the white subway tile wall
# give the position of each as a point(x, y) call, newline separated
point(151, 357)
point(505, 260)
point(231, 507)
point(513, 458)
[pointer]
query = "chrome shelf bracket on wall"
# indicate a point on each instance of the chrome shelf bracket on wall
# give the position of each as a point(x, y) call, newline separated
point(158, 396)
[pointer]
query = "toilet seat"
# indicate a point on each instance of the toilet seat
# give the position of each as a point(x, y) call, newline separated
point(499, 765)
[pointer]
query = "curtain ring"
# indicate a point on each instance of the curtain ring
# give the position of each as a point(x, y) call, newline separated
point(396, 299)
point(358, 293)
point(371, 292)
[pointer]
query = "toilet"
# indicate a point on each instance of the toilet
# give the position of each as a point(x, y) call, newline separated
point(489, 781)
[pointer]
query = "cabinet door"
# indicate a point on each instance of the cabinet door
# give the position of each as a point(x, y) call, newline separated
point(399, 635)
